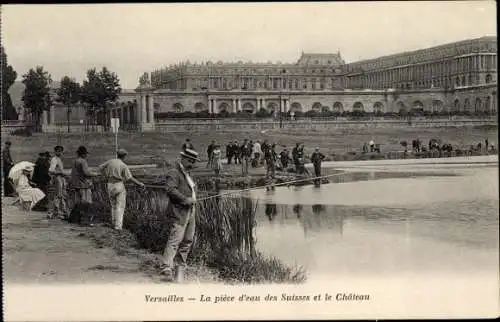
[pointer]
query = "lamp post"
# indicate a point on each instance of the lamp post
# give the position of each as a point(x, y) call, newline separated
point(281, 110)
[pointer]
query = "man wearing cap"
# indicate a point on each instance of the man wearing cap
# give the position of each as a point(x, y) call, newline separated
point(116, 173)
point(59, 206)
point(181, 190)
point(316, 159)
point(81, 178)
point(7, 164)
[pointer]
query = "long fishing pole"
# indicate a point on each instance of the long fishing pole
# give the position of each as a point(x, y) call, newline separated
point(254, 188)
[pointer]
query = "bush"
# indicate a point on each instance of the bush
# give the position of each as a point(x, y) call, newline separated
point(25, 131)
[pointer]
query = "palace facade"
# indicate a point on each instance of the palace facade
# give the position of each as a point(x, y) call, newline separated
point(460, 76)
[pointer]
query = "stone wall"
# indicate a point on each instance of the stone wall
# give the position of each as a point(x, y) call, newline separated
point(223, 125)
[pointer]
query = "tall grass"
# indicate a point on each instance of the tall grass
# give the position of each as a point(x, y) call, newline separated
point(224, 237)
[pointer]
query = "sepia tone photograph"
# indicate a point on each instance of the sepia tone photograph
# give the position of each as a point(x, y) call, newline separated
point(296, 160)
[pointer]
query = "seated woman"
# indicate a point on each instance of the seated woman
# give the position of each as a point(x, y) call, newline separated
point(31, 198)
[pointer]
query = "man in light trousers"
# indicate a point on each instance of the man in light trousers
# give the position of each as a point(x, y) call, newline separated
point(58, 202)
point(181, 190)
point(116, 173)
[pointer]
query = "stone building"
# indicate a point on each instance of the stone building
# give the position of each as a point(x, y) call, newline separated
point(460, 76)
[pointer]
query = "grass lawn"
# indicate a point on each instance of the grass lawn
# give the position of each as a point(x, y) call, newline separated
point(146, 148)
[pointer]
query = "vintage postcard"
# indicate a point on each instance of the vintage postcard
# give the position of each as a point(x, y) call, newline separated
point(244, 161)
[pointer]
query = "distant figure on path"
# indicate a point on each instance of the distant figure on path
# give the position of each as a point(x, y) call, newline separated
point(216, 159)
point(229, 152)
point(116, 173)
point(284, 158)
point(246, 154)
point(316, 159)
point(7, 163)
point(372, 145)
point(271, 158)
point(81, 178)
point(58, 201)
point(181, 190)
point(209, 152)
point(257, 153)
point(236, 153)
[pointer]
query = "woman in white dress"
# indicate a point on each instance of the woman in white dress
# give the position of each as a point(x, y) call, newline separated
point(29, 196)
point(216, 159)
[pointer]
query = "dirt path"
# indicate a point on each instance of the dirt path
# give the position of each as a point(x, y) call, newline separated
point(40, 251)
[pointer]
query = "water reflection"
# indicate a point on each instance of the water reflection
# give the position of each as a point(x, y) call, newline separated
point(448, 224)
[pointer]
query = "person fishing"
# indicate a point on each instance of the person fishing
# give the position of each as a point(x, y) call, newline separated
point(181, 191)
point(295, 159)
point(58, 202)
point(300, 160)
point(316, 158)
point(284, 157)
point(117, 173)
point(271, 158)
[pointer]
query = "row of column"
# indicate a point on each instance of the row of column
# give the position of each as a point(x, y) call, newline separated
point(145, 109)
point(48, 117)
point(237, 106)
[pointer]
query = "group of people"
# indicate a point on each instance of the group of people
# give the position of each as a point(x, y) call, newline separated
point(179, 186)
point(257, 154)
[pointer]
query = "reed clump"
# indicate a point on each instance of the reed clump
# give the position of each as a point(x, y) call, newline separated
point(224, 238)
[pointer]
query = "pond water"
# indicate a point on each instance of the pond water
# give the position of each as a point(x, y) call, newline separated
point(378, 223)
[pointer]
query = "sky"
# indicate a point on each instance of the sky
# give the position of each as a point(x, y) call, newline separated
point(131, 39)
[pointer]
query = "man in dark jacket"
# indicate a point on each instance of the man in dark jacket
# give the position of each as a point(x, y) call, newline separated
point(181, 190)
point(316, 159)
point(237, 153)
point(7, 164)
point(229, 152)
point(271, 158)
point(210, 149)
point(41, 176)
point(246, 155)
point(295, 159)
point(284, 157)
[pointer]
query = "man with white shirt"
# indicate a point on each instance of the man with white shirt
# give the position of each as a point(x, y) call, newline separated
point(257, 152)
point(117, 173)
point(181, 191)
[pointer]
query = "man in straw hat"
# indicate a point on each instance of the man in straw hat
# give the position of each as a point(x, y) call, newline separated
point(181, 191)
point(59, 206)
point(116, 173)
point(81, 178)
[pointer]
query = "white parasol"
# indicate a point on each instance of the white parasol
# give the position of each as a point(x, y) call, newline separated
point(17, 169)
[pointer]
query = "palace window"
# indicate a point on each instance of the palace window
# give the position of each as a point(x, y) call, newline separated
point(488, 78)
point(296, 83)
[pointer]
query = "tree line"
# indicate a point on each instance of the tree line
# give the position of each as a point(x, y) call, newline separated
point(97, 93)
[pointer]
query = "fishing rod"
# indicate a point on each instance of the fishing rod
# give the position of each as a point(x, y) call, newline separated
point(234, 192)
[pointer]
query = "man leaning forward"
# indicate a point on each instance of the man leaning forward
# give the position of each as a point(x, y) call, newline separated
point(116, 173)
point(181, 191)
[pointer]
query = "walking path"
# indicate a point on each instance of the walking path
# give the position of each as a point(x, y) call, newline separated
point(37, 250)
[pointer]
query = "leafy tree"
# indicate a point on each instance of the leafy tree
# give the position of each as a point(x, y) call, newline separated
point(9, 76)
point(99, 91)
point(69, 94)
point(36, 96)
